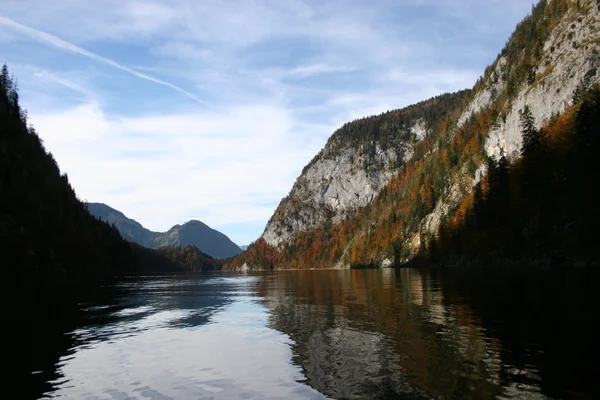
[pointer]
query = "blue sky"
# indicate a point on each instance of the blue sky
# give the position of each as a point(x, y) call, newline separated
point(171, 110)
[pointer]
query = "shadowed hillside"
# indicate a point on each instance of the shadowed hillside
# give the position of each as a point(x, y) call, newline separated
point(192, 233)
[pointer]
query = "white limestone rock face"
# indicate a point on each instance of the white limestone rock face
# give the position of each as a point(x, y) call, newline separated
point(571, 56)
point(329, 189)
point(336, 183)
point(484, 98)
point(419, 130)
point(433, 221)
point(344, 177)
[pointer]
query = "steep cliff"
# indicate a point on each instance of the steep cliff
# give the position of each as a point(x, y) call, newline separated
point(358, 160)
point(382, 186)
point(560, 65)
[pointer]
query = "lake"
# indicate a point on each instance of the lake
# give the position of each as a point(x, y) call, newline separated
point(352, 334)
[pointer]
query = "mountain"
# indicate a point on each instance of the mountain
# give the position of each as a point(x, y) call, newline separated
point(196, 233)
point(50, 244)
point(52, 247)
point(244, 247)
point(54, 253)
point(130, 229)
point(381, 189)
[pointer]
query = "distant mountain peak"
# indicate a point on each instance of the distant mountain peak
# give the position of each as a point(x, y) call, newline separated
point(195, 222)
point(193, 232)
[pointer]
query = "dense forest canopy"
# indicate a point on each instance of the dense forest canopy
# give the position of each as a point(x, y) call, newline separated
point(542, 207)
point(49, 238)
point(54, 252)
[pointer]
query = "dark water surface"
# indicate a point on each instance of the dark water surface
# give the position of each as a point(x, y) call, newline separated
point(356, 334)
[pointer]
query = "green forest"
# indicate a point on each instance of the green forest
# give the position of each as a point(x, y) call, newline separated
point(50, 242)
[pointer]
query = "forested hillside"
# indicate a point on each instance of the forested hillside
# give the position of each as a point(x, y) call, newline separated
point(543, 207)
point(192, 233)
point(357, 162)
point(50, 242)
point(54, 252)
point(173, 259)
point(548, 64)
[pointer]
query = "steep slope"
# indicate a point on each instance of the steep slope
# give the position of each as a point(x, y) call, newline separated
point(541, 208)
point(358, 160)
point(377, 213)
point(50, 243)
point(196, 233)
point(199, 234)
point(130, 229)
point(54, 254)
point(53, 251)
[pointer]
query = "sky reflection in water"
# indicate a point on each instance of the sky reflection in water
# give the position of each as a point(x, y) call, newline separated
point(340, 334)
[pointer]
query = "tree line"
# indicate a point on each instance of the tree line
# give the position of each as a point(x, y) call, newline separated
point(53, 252)
point(541, 208)
point(388, 227)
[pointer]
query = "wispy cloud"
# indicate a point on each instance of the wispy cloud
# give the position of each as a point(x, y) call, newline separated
point(275, 80)
point(318, 69)
point(70, 47)
point(67, 83)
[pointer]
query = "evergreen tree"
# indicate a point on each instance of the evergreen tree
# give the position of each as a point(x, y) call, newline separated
point(531, 135)
point(5, 81)
point(503, 171)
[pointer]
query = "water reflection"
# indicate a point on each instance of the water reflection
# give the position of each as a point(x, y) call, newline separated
point(175, 338)
point(412, 334)
point(361, 334)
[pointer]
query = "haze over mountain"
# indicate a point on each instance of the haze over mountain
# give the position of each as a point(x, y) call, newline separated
point(197, 233)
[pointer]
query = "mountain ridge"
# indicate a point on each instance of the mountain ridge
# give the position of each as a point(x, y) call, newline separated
point(442, 144)
point(193, 232)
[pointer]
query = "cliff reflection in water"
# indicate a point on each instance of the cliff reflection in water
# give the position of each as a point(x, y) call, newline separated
point(413, 333)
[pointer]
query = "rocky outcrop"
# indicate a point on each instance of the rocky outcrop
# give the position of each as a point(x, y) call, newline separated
point(486, 96)
point(553, 54)
point(339, 180)
point(571, 60)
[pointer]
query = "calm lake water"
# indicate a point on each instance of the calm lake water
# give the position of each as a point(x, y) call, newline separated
point(359, 334)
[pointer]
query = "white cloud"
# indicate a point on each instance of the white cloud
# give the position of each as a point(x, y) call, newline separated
point(221, 168)
point(275, 79)
point(317, 69)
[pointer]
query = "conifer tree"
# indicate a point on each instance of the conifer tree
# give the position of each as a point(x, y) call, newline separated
point(531, 135)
